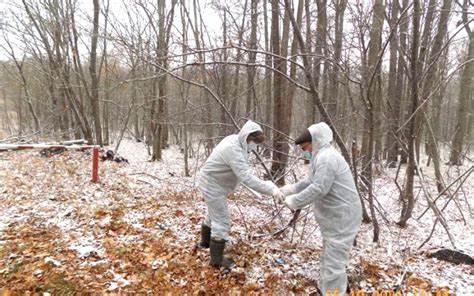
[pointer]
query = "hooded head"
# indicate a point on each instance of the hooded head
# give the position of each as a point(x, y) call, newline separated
point(321, 136)
point(248, 128)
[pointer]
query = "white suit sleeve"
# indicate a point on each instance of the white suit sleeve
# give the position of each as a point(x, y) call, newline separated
point(239, 165)
point(321, 184)
point(301, 185)
point(297, 187)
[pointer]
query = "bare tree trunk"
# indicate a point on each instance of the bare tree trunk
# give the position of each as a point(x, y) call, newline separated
point(277, 80)
point(320, 45)
point(94, 98)
point(224, 78)
point(433, 126)
point(309, 104)
point(160, 135)
point(334, 71)
point(433, 73)
point(61, 91)
point(375, 73)
point(268, 73)
point(19, 113)
point(105, 105)
point(251, 95)
point(294, 51)
point(207, 100)
point(160, 92)
point(185, 92)
point(465, 96)
point(6, 123)
point(393, 103)
point(400, 89)
point(422, 56)
point(408, 198)
point(104, 63)
point(372, 102)
point(279, 110)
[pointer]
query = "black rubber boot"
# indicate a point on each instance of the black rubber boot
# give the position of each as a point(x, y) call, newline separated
point(217, 255)
point(205, 236)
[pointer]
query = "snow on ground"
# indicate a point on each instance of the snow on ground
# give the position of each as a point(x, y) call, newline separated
point(134, 232)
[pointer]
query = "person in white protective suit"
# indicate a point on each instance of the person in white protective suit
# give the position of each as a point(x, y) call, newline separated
point(226, 167)
point(331, 191)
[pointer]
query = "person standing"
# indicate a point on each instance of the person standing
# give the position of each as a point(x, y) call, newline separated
point(332, 193)
point(225, 168)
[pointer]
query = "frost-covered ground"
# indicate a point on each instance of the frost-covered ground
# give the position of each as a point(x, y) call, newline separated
point(135, 230)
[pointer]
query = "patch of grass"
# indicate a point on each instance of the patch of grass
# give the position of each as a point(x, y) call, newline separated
point(58, 285)
point(13, 269)
point(121, 251)
point(22, 247)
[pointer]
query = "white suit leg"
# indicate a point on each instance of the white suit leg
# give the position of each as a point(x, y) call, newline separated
point(218, 218)
point(207, 220)
point(321, 266)
point(333, 265)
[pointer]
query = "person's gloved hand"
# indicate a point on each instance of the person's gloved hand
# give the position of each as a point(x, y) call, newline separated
point(288, 189)
point(278, 195)
point(290, 202)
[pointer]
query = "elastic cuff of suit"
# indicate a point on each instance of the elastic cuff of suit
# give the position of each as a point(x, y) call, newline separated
point(291, 202)
point(219, 239)
point(291, 189)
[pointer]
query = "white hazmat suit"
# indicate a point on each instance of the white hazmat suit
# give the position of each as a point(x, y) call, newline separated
point(331, 190)
point(226, 167)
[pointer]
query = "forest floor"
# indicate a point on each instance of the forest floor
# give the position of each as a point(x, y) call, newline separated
point(135, 231)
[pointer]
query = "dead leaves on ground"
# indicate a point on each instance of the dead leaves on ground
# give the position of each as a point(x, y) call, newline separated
point(116, 240)
point(69, 236)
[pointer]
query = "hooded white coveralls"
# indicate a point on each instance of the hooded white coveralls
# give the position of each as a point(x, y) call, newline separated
point(226, 167)
point(331, 190)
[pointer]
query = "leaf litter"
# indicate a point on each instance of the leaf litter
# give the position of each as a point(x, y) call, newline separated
point(62, 234)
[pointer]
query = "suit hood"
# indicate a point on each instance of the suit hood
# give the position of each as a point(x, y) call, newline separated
point(248, 128)
point(321, 136)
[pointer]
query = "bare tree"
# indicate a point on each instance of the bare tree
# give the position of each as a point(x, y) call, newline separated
point(393, 101)
point(333, 93)
point(465, 95)
point(268, 72)
point(279, 112)
point(320, 47)
point(94, 97)
point(20, 67)
point(433, 73)
point(408, 198)
point(251, 93)
point(372, 103)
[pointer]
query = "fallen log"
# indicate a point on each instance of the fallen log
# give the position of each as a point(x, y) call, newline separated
point(452, 256)
point(46, 152)
point(68, 145)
